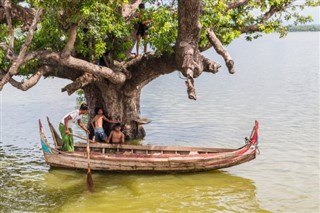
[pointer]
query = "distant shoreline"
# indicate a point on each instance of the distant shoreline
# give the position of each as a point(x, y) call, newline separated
point(303, 28)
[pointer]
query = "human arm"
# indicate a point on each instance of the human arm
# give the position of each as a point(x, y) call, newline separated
point(109, 121)
point(109, 137)
point(122, 137)
point(83, 126)
point(93, 122)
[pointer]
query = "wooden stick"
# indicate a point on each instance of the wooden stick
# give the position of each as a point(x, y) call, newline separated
point(89, 176)
point(83, 138)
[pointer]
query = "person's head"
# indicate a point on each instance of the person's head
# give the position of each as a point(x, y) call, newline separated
point(84, 108)
point(141, 6)
point(117, 127)
point(98, 111)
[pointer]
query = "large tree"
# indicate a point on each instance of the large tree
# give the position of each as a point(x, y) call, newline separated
point(66, 38)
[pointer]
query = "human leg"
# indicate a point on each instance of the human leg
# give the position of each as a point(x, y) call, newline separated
point(145, 38)
point(138, 44)
point(100, 135)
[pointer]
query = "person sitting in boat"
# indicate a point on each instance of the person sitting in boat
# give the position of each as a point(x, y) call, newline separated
point(116, 136)
point(66, 124)
point(97, 124)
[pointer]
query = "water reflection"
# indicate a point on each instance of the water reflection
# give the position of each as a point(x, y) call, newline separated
point(201, 192)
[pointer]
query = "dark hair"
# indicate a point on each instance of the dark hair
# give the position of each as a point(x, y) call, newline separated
point(117, 125)
point(141, 6)
point(96, 110)
point(84, 106)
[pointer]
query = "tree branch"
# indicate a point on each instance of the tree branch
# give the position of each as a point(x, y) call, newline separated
point(33, 80)
point(128, 10)
point(151, 66)
point(146, 68)
point(79, 83)
point(217, 45)
point(4, 46)
point(264, 19)
point(14, 69)
point(115, 77)
point(7, 8)
point(209, 65)
point(235, 4)
point(70, 44)
point(19, 13)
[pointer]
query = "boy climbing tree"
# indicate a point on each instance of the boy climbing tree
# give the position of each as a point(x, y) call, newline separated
point(143, 22)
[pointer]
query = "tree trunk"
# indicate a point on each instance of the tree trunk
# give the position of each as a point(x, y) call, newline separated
point(119, 103)
point(187, 53)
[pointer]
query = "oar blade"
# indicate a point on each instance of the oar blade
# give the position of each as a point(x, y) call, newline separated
point(89, 181)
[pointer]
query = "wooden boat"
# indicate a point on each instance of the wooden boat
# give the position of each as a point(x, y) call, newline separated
point(140, 158)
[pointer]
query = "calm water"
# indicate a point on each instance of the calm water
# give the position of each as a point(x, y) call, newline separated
point(277, 83)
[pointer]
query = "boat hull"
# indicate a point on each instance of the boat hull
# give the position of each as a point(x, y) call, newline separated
point(128, 158)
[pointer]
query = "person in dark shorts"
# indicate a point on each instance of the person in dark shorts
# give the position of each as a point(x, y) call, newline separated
point(142, 29)
point(97, 124)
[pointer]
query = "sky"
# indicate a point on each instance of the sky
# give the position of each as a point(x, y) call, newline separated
point(314, 12)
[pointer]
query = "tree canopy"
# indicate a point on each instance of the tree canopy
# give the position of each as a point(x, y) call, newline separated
point(32, 26)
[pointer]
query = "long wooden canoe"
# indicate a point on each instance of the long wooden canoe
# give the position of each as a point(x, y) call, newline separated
point(140, 158)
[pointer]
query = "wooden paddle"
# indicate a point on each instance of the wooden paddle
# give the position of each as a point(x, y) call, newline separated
point(89, 176)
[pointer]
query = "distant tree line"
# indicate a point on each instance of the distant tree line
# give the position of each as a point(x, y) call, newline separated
point(303, 28)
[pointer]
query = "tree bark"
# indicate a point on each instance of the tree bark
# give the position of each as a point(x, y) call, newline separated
point(187, 53)
point(118, 105)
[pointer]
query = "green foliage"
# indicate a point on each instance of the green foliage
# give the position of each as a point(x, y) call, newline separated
point(164, 29)
point(50, 35)
point(2, 59)
point(3, 32)
point(102, 28)
point(4, 63)
point(105, 27)
point(228, 24)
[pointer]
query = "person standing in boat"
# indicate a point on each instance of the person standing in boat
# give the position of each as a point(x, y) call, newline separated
point(116, 136)
point(67, 123)
point(97, 124)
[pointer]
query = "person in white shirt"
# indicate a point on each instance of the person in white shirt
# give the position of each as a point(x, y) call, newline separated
point(66, 124)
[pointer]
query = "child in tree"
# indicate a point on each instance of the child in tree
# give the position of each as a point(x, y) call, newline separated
point(116, 136)
point(97, 124)
point(142, 28)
